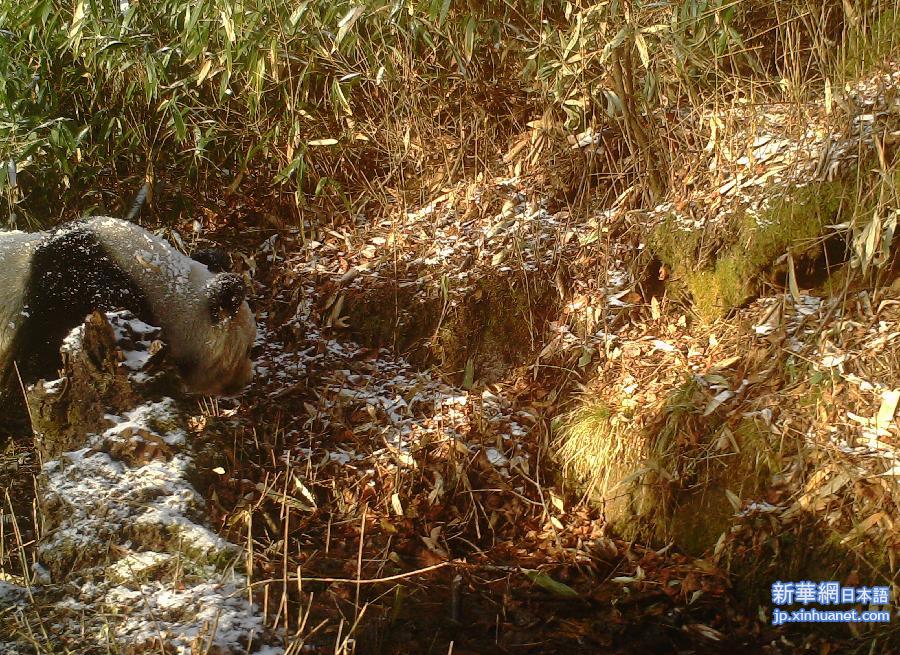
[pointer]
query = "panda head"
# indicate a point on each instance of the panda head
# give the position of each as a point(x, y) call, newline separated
point(213, 347)
point(203, 311)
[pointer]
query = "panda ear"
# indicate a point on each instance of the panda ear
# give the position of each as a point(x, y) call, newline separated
point(216, 259)
point(226, 293)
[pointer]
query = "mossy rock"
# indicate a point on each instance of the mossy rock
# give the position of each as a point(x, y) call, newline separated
point(139, 567)
point(394, 317)
point(676, 479)
point(699, 516)
point(750, 246)
point(681, 481)
point(696, 469)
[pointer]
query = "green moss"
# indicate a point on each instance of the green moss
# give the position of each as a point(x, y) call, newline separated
point(676, 247)
point(752, 245)
point(136, 568)
point(673, 481)
point(597, 452)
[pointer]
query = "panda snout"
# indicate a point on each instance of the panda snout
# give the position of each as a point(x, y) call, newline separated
point(221, 386)
point(239, 382)
point(233, 389)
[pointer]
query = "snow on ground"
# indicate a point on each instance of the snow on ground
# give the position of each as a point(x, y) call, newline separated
point(127, 557)
point(399, 408)
point(144, 564)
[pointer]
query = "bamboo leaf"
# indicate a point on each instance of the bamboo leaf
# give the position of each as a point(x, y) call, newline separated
point(642, 49)
point(616, 41)
point(228, 24)
point(339, 99)
point(204, 71)
point(445, 9)
point(346, 23)
point(178, 122)
point(76, 28)
point(792, 278)
point(469, 38)
point(285, 173)
point(576, 35)
point(734, 500)
point(469, 374)
point(547, 583)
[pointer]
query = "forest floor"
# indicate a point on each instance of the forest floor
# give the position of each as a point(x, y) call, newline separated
point(396, 477)
point(391, 506)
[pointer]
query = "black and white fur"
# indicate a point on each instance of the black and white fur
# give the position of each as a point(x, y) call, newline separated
point(49, 282)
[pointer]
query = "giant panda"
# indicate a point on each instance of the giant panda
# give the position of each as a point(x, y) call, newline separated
point(49, 282)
